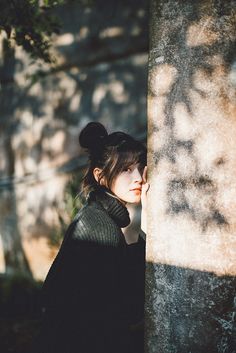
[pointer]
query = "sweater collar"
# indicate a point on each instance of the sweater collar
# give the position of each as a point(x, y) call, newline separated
point(115, 208)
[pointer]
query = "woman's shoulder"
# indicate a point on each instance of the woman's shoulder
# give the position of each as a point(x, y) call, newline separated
point(93, 224)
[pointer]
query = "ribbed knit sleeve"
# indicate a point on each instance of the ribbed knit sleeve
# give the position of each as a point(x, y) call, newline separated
point(94, 225)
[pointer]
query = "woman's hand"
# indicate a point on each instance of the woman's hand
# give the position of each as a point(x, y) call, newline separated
point(145, 188)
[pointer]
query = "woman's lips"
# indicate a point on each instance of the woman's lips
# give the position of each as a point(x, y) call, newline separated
point(139, 190)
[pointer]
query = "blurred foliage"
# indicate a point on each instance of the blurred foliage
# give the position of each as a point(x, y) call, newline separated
point(73, 201)
point(31, 23)
point(73, 198)
point(20, 312)
point(19, 295)
point(17, 335)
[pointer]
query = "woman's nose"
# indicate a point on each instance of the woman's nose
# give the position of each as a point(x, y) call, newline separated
point(137, 175)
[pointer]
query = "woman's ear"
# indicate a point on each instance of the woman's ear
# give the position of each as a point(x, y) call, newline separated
point(96, 174)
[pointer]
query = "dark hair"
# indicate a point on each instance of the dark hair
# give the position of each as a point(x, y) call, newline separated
point(113, 153)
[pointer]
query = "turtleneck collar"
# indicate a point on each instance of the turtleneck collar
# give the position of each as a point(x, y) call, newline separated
point(115, 208)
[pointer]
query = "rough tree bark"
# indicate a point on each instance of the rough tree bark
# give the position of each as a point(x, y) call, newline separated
point(191, 246)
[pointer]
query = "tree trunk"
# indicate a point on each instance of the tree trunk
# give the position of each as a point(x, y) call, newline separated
point(14, 256)
point(191, 246)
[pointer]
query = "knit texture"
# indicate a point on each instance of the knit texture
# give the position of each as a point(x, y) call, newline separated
point(116, 210)
point(101, 218)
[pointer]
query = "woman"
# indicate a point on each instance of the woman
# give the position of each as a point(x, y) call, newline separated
point(93, 295)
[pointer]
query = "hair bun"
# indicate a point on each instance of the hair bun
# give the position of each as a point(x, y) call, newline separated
point(92, 136)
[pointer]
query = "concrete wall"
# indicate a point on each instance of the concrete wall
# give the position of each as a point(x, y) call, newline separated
point(191, 249)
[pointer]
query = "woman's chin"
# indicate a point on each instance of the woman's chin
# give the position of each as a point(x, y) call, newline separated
point(135, 200)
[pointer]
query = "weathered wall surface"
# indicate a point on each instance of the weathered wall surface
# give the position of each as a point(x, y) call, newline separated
point(191, 250)
point(100, 75)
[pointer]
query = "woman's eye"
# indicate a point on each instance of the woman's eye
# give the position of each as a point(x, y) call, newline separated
point(127, 170)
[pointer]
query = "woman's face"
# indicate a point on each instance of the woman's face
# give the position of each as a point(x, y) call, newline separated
point(128, 184)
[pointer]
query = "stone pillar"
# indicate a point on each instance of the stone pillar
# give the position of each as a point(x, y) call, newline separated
point(191, 240)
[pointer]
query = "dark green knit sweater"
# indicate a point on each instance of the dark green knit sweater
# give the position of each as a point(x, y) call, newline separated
point(94, 290)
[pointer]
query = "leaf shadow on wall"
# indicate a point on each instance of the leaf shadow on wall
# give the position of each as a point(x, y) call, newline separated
point(198, 44)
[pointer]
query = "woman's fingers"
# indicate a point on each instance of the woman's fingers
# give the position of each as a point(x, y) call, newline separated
point(145, 185)
point(144, 176)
